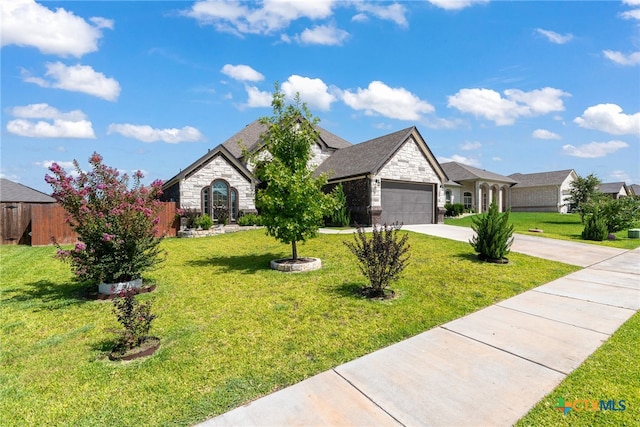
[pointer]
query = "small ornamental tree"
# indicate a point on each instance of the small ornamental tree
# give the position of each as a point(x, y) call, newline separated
point(116, 224)
point(382, 257)
point(292, 203)
point(494, 234)
point(135, 317)
point(581, 191)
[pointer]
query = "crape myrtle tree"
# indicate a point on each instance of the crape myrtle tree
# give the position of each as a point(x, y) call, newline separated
point(292, 203)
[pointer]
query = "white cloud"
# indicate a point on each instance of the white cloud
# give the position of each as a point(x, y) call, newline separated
point(554, 37)
point(456, 4)
point(146, 133)
point(609, 118)
point(314, 92)
point(621, 58)
point(593, 150)
point(545, 134)
point(496, 159)
point(258, 98)
point(490, 105)
point(270, 16)
point(242, 72)
point(394, 103)
point(327, 35)
point(394, 12)
point(631, 2)
point(27, 23)
point(78, 78)
point(460, 159)
point(619, 175)
point(58, 129)
point(72, 124)
point(631, 14)
point(45, 111)
point(64, 165)
point(467, 146)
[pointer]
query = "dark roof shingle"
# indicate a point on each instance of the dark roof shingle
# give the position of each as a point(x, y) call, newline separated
point(540, 179)
point(460, 172)
point(13, 192)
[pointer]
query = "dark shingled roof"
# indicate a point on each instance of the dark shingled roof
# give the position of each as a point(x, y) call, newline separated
point(635, 188)
point(13, 192)
point(611, 187)
point(249, 138)
point(460, 172)
point(540, 179)
point(364, 158)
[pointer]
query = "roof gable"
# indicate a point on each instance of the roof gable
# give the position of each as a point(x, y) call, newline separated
point(460, 172)
point(541, 179)
point(250, 139)
point(613, 187)
point(13, 192)
point(369, 157)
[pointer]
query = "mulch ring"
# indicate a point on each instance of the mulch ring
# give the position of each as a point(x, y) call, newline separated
point(371, 293)
point(147, 348)
point(93, 294)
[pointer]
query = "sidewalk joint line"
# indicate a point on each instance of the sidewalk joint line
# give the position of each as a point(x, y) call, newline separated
point(588, 300)
point(369, 398)
point(508, 352)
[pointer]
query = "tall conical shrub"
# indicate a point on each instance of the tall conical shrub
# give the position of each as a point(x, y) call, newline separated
point(494, 234)
point(596, 227)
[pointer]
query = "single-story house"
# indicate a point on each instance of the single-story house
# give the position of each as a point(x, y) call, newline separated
point(615, 190)
point(387, 179)
point(476, 188)
point(542, 192)
point(635, 189)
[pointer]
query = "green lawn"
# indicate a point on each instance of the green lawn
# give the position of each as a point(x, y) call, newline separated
point(611, 373)
point(232, 330)
point(555, 226)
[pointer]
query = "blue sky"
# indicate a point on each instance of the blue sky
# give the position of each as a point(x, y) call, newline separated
point(151, 85)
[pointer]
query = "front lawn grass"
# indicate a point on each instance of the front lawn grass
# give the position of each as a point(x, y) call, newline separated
point(232, 330)
point(611, 373)
point(555, 226)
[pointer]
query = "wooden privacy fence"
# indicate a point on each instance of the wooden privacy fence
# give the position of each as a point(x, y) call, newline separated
point(42, 224)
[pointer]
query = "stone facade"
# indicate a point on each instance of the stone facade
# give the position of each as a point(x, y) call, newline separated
point(408, 164)
point(218, 168)
point(538, 199)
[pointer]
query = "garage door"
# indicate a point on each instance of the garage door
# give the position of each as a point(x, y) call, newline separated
point(407, 203)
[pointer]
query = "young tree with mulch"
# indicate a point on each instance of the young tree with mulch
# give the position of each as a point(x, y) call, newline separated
point(292, 204)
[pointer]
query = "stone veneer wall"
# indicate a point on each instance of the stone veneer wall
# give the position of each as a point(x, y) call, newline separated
point(318, 156)
point(409, 164)
point(534, 199)
point(218, 168)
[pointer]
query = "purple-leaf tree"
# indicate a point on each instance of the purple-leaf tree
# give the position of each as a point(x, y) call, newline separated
point(116, 223)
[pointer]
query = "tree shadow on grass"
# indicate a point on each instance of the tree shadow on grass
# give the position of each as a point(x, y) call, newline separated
point(348, 290)
point(246, 264)
point(468, 256)
point(47, 295)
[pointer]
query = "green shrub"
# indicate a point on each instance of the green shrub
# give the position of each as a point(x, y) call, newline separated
point(494, 234)
point(249, 219)
point(453, 209)
point(596, 227)
point(222, 214)
point(382, 257)
point(621, 214)
point(203, 221)
point(136, 319)
point(340, 216)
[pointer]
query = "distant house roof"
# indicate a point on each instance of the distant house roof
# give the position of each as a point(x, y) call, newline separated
point(458, 172)
point(250, 139)
point(635, 189)
point(540, 179)
point(371, 156)
point(613, 188)
point(13, 192)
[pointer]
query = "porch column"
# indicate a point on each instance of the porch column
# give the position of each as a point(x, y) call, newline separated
point(479, 197)
point(499, 200)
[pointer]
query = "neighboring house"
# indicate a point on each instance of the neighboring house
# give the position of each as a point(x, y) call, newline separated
point(16, 202)
point(635, 189)
point(387, 179)
point(542, 192)
point(615, 190)
point(476, 188)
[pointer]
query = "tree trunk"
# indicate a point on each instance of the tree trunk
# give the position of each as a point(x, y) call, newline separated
point(294, 250)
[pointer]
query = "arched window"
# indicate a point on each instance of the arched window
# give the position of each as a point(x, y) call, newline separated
point(219, 195)
point(466, 200)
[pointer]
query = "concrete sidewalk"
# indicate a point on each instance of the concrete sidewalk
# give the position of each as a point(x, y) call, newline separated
point(488, 368)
